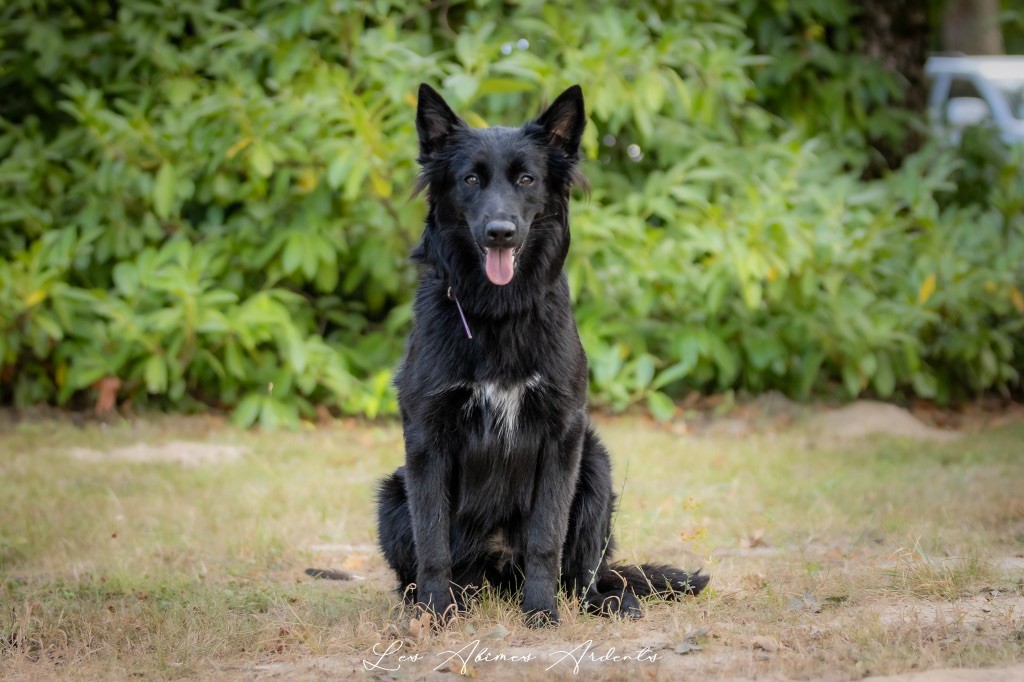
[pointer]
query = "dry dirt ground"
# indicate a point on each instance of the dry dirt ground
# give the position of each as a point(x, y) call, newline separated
point(862, 542)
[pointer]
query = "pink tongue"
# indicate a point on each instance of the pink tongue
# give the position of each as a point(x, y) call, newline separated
point(499, 266)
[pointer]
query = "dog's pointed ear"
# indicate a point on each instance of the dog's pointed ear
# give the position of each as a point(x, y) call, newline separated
point(564, 121)
point(435, 120)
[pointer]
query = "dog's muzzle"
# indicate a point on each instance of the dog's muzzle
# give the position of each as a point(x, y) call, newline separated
point(499, 254)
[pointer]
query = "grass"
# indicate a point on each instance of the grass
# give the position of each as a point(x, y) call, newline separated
point(874, 557)
point(930, 578)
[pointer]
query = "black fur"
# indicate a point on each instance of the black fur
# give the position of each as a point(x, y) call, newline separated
point(504, 479)
point(328, 574)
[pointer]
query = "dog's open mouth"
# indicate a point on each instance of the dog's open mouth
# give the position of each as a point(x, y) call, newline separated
point(500, 265)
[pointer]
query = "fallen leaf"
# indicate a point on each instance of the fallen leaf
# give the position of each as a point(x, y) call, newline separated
point(420, 627)
point(753, 540)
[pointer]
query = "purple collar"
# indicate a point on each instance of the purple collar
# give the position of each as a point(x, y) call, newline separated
point(465, 325)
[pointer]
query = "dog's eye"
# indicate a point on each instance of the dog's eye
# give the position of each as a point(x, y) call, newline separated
point(525, 180)
point(472, 180)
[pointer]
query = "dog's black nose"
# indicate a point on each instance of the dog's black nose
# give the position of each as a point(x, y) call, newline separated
point(500, 232)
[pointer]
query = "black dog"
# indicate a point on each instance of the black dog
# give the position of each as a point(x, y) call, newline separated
point(504, 479)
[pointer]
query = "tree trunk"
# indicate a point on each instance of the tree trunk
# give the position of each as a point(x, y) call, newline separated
point(972, 27)
point(896, 33)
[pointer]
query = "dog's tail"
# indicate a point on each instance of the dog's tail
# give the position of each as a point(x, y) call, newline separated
point(652, 580)
point(328, 574)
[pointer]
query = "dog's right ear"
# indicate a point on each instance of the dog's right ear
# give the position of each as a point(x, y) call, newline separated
point(564, 121)
point(435, 120)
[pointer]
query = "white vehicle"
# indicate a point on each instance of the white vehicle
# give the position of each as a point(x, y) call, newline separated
point(970, 91)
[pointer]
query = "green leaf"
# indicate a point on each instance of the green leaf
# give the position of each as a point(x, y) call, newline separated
point(292, 257)
point(851, 380)
point(126, 278)
point(163, 190)
point(868, 365)
point(669, 374)
point(296, 350)
point(338, 170)
point(354, 179)
point(762, 350)
point(605, 366)
point(644, 371)
point(660, 405)
point(925, 384)
point(311, 256)
point(884, 379)
point(690, 348)
point(462, 85)
point(498, 86)
point(155, 373)
point(807, 373)
point(248, 410)
point(276, 414)
point(233, 360)
point(725, 359)
point(85, 373)
point(51, 328)
point(260, 160)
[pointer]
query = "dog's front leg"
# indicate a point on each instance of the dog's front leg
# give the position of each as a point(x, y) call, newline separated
point(427, 480)
point(549, 521)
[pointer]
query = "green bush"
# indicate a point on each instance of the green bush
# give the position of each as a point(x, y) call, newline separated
point(208, 201)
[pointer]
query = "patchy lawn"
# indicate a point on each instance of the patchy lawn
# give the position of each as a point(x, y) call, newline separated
point(175, 547)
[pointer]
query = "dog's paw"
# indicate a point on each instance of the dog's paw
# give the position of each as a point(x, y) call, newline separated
point(622, 605)
point(627, 608)
point(539, 606)
point(539, 613)
point(437, 608)
point(541, 618)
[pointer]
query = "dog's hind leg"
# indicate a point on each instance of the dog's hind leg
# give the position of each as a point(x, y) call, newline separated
point(394, 529)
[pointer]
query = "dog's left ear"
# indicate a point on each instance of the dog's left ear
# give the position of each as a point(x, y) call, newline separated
point(564, 121)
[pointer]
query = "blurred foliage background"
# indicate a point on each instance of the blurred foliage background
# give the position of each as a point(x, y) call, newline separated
point(205, 203)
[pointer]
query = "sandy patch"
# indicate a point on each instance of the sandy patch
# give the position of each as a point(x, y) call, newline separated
point(176, 452)
point(996, 609)
point(869, 418)
point(1014, 674)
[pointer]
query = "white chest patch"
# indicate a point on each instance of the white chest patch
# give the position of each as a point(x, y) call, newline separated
point(501, 404)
